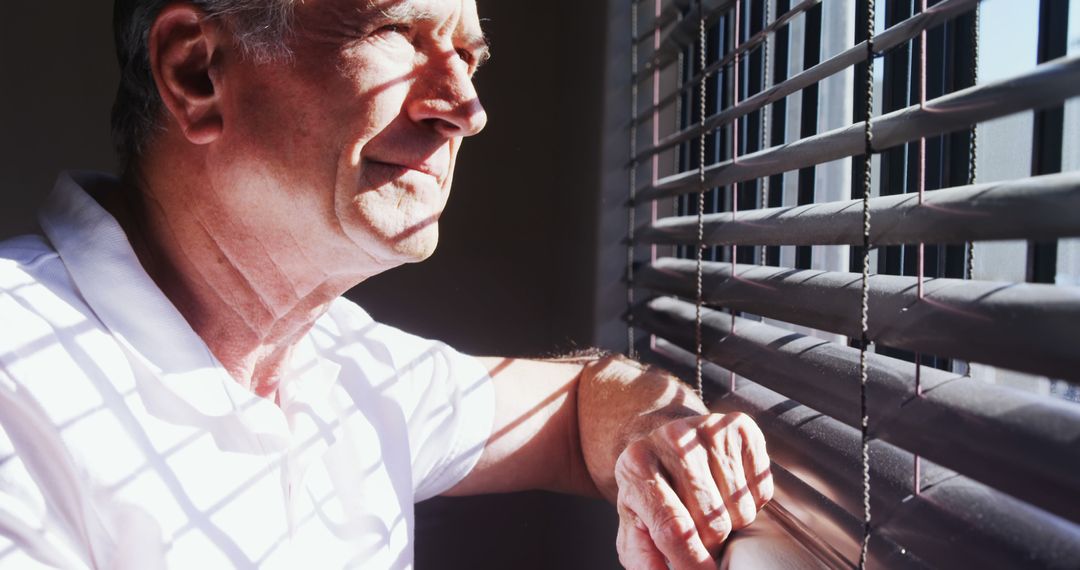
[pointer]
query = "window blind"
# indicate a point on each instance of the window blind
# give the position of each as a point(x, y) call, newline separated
point(748, 141)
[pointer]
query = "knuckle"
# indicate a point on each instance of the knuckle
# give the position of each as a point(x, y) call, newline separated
point(670, 536)
point(737, 422)
point(714, 439)
point(672, 529)
point(750, 431)
point(737, 418)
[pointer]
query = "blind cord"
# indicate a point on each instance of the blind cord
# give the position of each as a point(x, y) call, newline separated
point(736, 137)
point(973, 143)
point(865, 303)
point(701, 197)
point(763, 199)
point(631, 210)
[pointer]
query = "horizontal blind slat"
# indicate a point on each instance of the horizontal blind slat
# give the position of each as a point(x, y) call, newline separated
point(683, 33)
point(831, 521)
point(671, 50)
point(1047, 85)
point(1041, 207)
point(1022, 326)
point(894, 36)
point(1025, 445)
point(996, 530)
point(814, 446)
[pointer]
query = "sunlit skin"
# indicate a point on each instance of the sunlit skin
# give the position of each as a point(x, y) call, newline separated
point(275, 186)
point(279, 185)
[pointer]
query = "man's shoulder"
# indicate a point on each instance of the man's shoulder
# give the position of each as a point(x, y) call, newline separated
point(34, 282)
point(27, 265)
point(46, 322)
point(48, 349)
point(23, 253)
point(381, 352)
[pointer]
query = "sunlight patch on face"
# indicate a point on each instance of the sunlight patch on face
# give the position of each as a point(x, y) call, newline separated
point(354, 156)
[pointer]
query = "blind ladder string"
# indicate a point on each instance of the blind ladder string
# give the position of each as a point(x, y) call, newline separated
point(763, 198)
point(654, 212)
point(969, 269)
point(865, 301)
point(973, 143)
point(631, 210)
point(736, 66)
point(702, 47)
point(921, 271)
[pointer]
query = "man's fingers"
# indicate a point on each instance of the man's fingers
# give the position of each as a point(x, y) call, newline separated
point(635, 546)
point(726, 460)
point(756, 464)
point(645, 494)
point(687, 486)
point(687, 466)
point(670, 525)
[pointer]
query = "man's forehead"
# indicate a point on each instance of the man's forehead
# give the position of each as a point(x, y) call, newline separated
point(462, 13)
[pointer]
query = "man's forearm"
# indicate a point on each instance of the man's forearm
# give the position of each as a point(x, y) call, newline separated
point(681, 478)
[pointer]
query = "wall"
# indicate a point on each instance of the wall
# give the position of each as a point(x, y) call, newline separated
point(514, 271)
point(57, 80)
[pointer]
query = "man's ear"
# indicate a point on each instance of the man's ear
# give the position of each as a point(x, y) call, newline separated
point(183, 56)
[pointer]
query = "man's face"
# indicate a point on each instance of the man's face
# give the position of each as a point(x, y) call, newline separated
point(349, 146)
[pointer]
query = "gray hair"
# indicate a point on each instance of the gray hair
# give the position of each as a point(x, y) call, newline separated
point(259, 27)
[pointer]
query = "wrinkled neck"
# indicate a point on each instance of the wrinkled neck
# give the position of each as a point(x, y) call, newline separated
point(250, 297)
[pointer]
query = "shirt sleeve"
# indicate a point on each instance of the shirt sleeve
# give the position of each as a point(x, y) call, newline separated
point(451, 422)
point(446, 398)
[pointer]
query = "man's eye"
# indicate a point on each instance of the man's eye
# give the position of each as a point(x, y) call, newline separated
point(465, 56)
point(391, 30)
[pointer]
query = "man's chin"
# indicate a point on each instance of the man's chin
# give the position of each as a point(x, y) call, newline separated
point(420, 252)
point(416, 246)
point(420, 257)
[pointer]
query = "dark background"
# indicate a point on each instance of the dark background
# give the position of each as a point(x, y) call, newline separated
point(514, 273)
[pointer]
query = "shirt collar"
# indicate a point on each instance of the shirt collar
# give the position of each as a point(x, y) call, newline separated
point(194, 388)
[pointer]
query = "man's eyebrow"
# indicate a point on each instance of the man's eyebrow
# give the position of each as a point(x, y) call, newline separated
point(403, 10)
point(406, 10)
point(480, 47)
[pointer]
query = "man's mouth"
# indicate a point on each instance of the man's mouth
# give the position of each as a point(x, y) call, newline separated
point(401, 168)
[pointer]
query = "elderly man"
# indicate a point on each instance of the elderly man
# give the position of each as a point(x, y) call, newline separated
point(181, 383)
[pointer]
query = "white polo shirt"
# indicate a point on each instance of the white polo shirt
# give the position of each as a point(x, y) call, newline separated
point(125, 444)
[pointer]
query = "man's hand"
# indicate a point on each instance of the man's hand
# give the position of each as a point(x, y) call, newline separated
point(685, 486)
point(607, 426)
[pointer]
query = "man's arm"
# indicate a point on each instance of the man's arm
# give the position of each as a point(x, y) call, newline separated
point(681, 478)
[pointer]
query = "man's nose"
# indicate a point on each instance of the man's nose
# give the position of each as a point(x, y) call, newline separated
point(445, 98)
